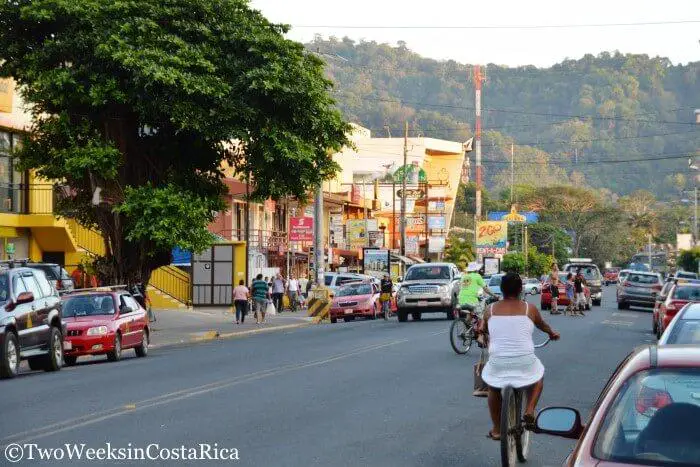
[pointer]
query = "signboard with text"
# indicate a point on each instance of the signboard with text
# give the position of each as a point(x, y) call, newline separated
point(301, 229)
point(491, 238)
point(376, 262)
point(436, 244)
point(436, 222)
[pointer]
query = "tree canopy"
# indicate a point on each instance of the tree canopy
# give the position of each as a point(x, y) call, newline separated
point(145, 100)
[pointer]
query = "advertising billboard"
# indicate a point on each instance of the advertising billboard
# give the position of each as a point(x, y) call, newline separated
point(355, 233)
point(376, 262)
point(436, 222)
point(491, 238)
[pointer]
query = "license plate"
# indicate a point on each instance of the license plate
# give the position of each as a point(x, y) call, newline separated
point(422, 303)
point(67, 345)
point(349, 312)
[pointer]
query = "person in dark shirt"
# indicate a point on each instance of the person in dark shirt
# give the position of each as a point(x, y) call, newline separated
point(386, 288)
point(261, 294)
point(579, 282)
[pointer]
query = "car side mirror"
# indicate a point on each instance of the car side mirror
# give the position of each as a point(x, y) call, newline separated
point(24, 297)
point(559, 421)
point(126, 309)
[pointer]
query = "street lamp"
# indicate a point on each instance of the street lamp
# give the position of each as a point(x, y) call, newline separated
point(382, 228)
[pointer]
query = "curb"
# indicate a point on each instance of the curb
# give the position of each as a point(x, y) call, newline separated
point(212, 335)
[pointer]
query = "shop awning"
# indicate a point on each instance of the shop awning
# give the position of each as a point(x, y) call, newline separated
point(403, 259)
point(417, 259)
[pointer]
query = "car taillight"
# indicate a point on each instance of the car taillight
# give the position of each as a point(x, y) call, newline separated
point(650, 400)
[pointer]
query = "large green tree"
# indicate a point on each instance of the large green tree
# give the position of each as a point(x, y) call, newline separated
point(142, 101)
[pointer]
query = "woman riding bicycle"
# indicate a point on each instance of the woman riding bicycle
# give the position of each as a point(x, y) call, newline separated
point(472, 284)
point(512, 361)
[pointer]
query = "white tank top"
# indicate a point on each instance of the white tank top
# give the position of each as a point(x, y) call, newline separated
point(511, 336)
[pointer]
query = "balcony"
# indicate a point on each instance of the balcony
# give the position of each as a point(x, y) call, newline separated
point(259, 239)
point(28, 198)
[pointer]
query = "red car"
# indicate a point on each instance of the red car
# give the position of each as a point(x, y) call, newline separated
point(611, 275)
point(356, 300)
point(680, 293)
point(104, 323)
point(546, 297)
point(647, 413)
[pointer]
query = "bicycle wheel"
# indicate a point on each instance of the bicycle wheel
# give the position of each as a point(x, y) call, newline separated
point(522, 439)
point(509, 426)
point(461, 336)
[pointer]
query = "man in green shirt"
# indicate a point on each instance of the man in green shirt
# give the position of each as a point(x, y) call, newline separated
point(472, 284)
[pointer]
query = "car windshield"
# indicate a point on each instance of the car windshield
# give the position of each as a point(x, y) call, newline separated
point(685, 331)
point(88, 305)
point(687, 292)
point(686, 275)
point(588, 273)
point(654, 420)
point(495, 281)
point(355, 289)
point(427, 273)
point(647, 279)
point(4, 288)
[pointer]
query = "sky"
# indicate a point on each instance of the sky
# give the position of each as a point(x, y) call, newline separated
point(541, 47)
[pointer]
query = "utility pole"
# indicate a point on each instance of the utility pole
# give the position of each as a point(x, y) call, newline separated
point(477, 144)
point(695, 213)
point(247, 230)
point(651, 268)
point(403, 189)
point(512, 171)
point(318, 234)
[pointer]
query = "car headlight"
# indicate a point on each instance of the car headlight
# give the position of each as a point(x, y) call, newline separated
point(403, 291)
point(442, 289)
point(97, 331)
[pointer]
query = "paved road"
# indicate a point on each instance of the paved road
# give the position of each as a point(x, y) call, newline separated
point(362, 393)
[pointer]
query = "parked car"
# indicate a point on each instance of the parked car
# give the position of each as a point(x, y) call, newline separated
point(639, 289)
point(428, 288)
point(104, 322)
point(610, 276)
point(660, 299)
point(562, 300)
point(30, 321)
point(532, 286)
point(57, 276)
point(334, 280)
point(356, 300)
point(685, 275)
point(590, 272)
point(684, 328)
point(647, 413)
point(680, 294)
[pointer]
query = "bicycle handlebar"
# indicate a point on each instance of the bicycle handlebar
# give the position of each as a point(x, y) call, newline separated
point(539, 346)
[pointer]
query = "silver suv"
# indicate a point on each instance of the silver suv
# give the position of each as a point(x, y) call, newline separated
point(428, 288)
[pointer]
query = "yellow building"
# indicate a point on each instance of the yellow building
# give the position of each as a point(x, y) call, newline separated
point(29, 227)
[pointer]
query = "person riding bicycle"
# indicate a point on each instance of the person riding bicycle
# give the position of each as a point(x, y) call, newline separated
point(472, 284)
point(512, 360)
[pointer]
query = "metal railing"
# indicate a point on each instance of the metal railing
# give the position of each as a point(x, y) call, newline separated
point(28, 198)
point(173, 282)
point(259, 239)
point(88, 239)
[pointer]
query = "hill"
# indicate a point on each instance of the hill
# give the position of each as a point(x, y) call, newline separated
point(622, 122)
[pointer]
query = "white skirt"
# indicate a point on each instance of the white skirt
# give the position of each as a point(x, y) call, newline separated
point(518, 372)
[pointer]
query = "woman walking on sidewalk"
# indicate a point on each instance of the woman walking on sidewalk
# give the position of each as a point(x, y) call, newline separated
point(241, 294)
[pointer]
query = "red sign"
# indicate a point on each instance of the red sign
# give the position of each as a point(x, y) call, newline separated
point(301, 229)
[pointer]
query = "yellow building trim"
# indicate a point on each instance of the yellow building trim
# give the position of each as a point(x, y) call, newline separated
point(9, 232)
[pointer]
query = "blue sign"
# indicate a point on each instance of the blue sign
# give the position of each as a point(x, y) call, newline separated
point(181, 257)
point(531, 217)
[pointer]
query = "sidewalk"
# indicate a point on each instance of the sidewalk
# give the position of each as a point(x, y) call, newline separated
point(178, 326)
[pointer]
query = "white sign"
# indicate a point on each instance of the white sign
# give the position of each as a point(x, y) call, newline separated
point(412, 245)
point(436, 244)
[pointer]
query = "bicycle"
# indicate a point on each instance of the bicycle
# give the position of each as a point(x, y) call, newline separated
point(464, 327)
point(515, 435)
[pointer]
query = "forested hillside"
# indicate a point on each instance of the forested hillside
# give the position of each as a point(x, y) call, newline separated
point(577, 121)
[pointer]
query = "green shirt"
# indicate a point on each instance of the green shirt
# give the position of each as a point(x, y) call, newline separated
point(259, 289)
point(472, 284)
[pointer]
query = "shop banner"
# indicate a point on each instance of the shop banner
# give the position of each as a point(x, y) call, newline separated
point(412, 246)
point(301, 229)
point(355, 233)
point(436, 244)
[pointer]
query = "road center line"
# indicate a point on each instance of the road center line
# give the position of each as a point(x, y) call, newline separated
point(91, 419)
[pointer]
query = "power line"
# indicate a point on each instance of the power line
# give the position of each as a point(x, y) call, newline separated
point(531, 26)
point(601, 161)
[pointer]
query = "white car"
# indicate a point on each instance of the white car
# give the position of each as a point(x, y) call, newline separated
point(532, 286)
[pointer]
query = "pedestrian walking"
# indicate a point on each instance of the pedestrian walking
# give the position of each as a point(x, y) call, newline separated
point(303, 283)
point(579, 282)
point(241, 295)
point(570, 297)
point(278, 292)
point(293, 293)
point(554, 282)
point(261, 295)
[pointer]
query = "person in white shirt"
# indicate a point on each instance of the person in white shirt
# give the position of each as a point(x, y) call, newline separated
point(293, 293)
